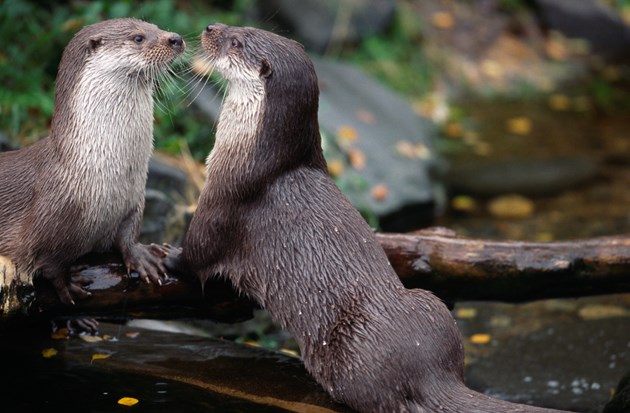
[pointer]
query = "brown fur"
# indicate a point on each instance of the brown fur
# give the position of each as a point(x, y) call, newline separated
point(82, 188)
point(272, 221)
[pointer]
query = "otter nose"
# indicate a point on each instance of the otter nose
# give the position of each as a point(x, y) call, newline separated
point(176, 41)
point(214, 26)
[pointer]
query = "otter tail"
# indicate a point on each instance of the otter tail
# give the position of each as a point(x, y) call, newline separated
point(458, 399)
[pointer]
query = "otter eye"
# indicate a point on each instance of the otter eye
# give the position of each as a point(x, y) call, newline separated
point(236, 43)
point(138, 39)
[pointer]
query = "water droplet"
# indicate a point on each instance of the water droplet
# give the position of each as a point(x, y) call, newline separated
point(417, 343)
point(336, 229)
point(553, 383)
point(324, 343)
point(300, 312)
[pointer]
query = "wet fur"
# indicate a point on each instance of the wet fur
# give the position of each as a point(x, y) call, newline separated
point(81, 189)
point(272, 221)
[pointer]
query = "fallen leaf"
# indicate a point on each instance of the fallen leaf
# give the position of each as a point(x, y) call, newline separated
point(132, 334)
point(519, 125)
point(511, 206)
point(559, 102)
point(357, 159)
point(91, 339)
point(442, 20)
point(454, 130)
point(466, 312)
point(100, 356)
point(60, 334)
point(380, 192)
point(335, 167)
point(347, 133)
point(49, 352)
point(480, 338)
point(128, 401)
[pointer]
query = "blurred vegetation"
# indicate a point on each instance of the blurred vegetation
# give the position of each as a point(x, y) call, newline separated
point(35, 34)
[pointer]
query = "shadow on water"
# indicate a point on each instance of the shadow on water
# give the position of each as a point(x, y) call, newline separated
point(165, 372)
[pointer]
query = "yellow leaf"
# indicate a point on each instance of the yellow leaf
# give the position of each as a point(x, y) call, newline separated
point(480, 338)
point(357, 159)
point(91, 339)
point(335, 167)
point(466, 312)
point(49, 352)
point(559, 102)
point(442, 20)
point(380, 192)
point(347, 134)
point(99, 356)
point(519, 125)
point(128, 401)
point(60, 334)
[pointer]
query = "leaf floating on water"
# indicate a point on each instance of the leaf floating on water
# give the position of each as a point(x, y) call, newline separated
point(480, 338)
point(99, 356)
point(132, 334)
point(61, 334)
point(91, 339)
point(49, 352)
point(128, 401)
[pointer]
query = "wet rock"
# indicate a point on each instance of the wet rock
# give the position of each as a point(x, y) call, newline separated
point(322, 24)
point(620, 403)
point(524, 176)
point(571, 365)
point(387, 149)
point(591, 20)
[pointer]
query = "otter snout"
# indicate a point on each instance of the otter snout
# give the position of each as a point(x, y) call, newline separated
point(176, 41)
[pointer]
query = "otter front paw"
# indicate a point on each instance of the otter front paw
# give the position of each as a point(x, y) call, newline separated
point(171, 257)
point(149, 266)
point(68, 288)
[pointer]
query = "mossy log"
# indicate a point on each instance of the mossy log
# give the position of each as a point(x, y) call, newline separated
point(454, 268)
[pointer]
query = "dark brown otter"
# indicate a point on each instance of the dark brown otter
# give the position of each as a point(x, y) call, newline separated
point(82, 188)
point(272, 221)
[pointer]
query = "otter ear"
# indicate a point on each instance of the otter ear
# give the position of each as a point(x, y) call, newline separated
point(94, 43)
point(265, 68)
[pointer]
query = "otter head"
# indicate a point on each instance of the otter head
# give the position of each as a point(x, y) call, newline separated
point(115, 56)
point(272, 94)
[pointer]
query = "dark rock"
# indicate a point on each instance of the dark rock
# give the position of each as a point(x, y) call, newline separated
point(166, 178)
point(529, 177)
point(592, 20)
point(570, 365)
point(321, 24)
point(395, 147)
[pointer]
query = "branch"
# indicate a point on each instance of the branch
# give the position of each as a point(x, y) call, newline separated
point(460, 269)
point(454, 268)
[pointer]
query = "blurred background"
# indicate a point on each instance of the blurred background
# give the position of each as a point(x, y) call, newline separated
point(499, 119)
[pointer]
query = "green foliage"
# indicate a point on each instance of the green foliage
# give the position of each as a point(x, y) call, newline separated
point(35, 36)
point(396, 57)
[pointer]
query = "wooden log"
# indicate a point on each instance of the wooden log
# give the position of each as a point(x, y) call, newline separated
point(454, 268)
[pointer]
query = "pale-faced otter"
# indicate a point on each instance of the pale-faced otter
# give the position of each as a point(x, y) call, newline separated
point(272, 221)
point(82, 188)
